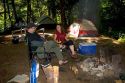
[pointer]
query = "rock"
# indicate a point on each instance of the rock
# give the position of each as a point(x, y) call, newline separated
point(81, 66)
point(87, 60)
point(93, 72)
point(19, 79)
point(99, 74)
point(108, 72)
point(102, 59)
point(85, 69)
point(91, 64)
point(101, 68)
point(74, 69)
point(95, 69)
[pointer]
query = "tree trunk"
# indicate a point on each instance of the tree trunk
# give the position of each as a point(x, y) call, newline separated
point(49, 9)
point(68, 17)
point(8, 8)
point(53, 9)
point(62, 11)
point(14, 9)
point(38, 5)
point(4, 4)
point(49, 13)
point(32, 16)
point(28, 11)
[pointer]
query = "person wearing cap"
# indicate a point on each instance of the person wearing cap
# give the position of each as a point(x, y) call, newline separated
point(50, 46)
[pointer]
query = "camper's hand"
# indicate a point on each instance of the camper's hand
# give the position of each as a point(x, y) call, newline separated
point(59, 42)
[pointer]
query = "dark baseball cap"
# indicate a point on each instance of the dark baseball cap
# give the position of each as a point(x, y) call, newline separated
point(30, 25)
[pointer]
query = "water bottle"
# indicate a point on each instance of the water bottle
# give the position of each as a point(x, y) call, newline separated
point(34, 73)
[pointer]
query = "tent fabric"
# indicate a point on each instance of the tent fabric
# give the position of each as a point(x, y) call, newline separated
point(45, 20)
point(87, 33)
point(87, 25)
point(87, 28)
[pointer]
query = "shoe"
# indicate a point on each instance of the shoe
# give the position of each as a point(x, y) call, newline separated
point(45, 64)
point(61, 62)
point(76, 59)
point(74, 56)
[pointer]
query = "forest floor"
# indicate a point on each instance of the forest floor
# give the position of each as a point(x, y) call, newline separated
point(14, 61)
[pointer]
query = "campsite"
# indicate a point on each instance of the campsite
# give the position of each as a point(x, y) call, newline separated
point(94, 30)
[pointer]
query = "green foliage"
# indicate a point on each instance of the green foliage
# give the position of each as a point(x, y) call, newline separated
point(122, 38)
point(1, 17)
point(112, 14)
point(1, 23)
point(38, 8)
point(51, 8)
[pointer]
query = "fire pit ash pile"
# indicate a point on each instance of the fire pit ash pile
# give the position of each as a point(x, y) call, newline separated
point(98, 66)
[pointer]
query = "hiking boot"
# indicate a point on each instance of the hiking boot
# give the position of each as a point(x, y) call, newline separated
point(45, 64)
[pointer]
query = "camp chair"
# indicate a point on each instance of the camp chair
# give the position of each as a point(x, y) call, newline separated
point(34, 59)
point(40, 52)
point(34, 55)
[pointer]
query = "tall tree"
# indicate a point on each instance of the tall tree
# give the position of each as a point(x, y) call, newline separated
point(38, 7)
point(28, 11)
point(68, 9)
point(8, 9)
point(4, 4)
point(52, 8)
point(113, 14)
point(62, 11)
point(14, 9)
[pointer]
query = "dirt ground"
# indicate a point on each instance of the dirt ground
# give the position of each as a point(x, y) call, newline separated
point(14, 61)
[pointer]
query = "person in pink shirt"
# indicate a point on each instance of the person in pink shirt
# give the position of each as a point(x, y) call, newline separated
point(61, 38)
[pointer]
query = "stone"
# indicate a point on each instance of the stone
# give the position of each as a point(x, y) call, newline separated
point(91, 64)
point(101, 68)
point(99, 74)
point(93, 67)
point(19, 79)
point(108, 72)
point(85, 69)
point(74, 69)
point(93, 72)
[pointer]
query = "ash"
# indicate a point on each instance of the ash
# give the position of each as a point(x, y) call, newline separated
point(100, 67)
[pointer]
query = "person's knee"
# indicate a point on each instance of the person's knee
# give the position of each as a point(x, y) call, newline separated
point(71, 42)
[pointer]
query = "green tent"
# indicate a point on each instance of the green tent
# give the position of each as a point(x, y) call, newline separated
point(46, 22)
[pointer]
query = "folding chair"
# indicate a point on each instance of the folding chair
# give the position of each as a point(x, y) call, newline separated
point(34, 59)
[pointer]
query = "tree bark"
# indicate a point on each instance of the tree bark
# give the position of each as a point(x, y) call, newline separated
point(4, 4)
point(53, 9)
point(14, 9)
point(38, 5)
point(8, 9)
point(49, 9)
point(62, 11)
point(28, 11)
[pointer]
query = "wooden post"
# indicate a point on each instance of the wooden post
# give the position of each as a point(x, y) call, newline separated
point(56, 73)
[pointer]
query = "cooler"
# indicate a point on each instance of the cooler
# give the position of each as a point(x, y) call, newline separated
point(87, 48)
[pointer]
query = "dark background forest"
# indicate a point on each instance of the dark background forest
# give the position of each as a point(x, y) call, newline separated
point(110, 13)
